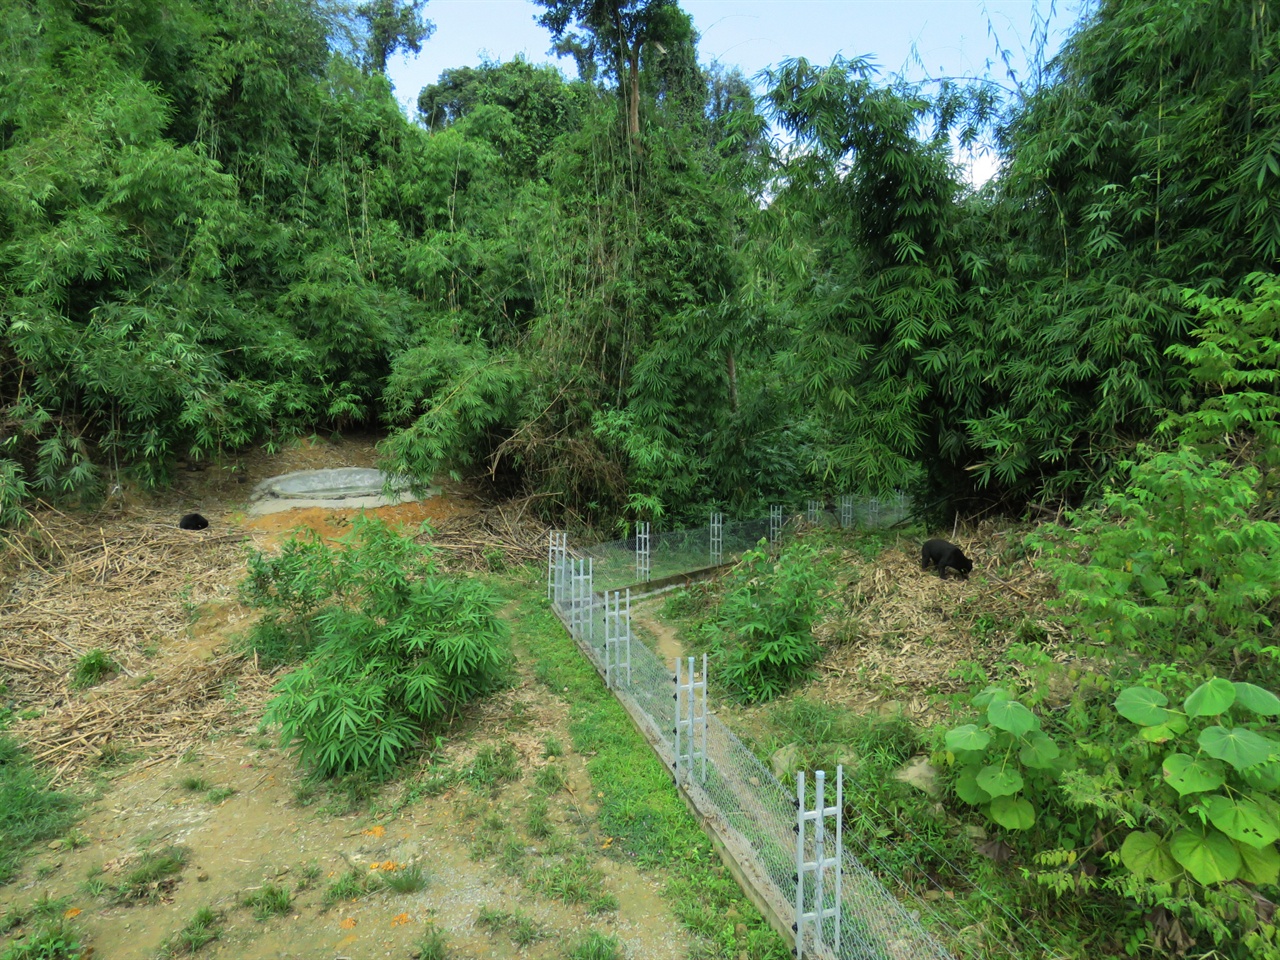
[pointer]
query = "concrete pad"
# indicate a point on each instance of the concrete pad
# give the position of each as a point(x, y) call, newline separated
point(341, 488)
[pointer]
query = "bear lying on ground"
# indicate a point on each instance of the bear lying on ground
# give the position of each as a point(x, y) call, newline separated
point(945, 555)
point(193, 521)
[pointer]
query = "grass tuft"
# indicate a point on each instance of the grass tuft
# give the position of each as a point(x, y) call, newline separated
point(408, 879)
point(269, 901)
point(91, 669)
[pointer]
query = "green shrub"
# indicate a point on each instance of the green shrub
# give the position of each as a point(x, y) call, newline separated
point(762, 632)
point(397, 646)
point(1000, 757)
point(1174, 566)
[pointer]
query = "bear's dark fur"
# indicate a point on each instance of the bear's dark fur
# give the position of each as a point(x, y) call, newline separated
point(945, 555)
point(193, 521)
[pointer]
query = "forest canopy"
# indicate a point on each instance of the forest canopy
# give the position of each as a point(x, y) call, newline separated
point(217, 228)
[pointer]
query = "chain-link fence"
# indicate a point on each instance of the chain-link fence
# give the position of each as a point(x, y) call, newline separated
point(754, 817)
point(650, 558)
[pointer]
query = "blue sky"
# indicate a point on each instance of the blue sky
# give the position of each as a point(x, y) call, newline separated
point(951, 36)
point(918, 38)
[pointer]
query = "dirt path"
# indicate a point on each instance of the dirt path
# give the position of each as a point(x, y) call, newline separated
point(666, 643)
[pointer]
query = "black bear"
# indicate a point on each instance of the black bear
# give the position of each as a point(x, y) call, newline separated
point(193, 521)
point(945, 555)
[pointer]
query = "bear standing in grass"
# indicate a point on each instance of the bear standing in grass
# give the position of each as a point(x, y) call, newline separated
point(945, 555)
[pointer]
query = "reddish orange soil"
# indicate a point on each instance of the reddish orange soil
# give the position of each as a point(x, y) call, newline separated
point(330, 524)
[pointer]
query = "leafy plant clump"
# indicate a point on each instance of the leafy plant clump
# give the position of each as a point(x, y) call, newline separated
point(394, 645)
point(762, 632)
point(53, 940)
point(91, 669)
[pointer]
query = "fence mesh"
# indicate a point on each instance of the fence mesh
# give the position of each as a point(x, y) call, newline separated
point(752, 813)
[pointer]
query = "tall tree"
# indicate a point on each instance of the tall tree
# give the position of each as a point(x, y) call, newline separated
point(614, 35)
point(390, 26)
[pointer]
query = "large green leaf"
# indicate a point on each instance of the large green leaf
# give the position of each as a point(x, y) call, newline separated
point(1264, 776)
point(1259, 865)
point(1013, 813)
point(1143, 706)
point(1210, 698)
point(1039, 752)
point(1239, 747)
point(967, 737)
point(1146, 855)
point(1210, 856)
point(999, 781)
point(1012, 716)
point(1242, 819)
point(967, 788)
point(1191, 775)
point(1255, 698)
point(1171, 729)
point(990, 695)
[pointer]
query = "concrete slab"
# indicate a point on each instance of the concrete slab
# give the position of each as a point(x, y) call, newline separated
point(340, 488)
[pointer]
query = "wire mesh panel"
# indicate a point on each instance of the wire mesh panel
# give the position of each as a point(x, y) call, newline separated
point(717, 539)
point(775, 523)
point(812, 511)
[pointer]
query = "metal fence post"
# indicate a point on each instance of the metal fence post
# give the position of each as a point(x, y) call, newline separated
point(775, 523)
point(846, 511)
point(717, 539)
point(691, 718)
point(812, 509)
point(617, 638)
point(557, 546)
point(814, 871)
point(642, 552)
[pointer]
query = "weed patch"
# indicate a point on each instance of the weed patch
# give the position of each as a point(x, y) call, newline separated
point(523, 930)
point(270, 901)
point(201, 930)
point(29, 810)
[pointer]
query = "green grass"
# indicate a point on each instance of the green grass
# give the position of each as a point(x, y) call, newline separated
point(201, 930)
point(155, 875)
point(492, 767)
point(574, 880)
point(50, 940)
point(269, 901)
point(195, 784)
point(639, 806)
point(433, 945)
point(408, 879)
point(29, 811)
point(218, 794)
point(550, 779)
point(523, 930)
point(536, 822)
point(352, 885)
point(597, 946)
point(91, 669)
